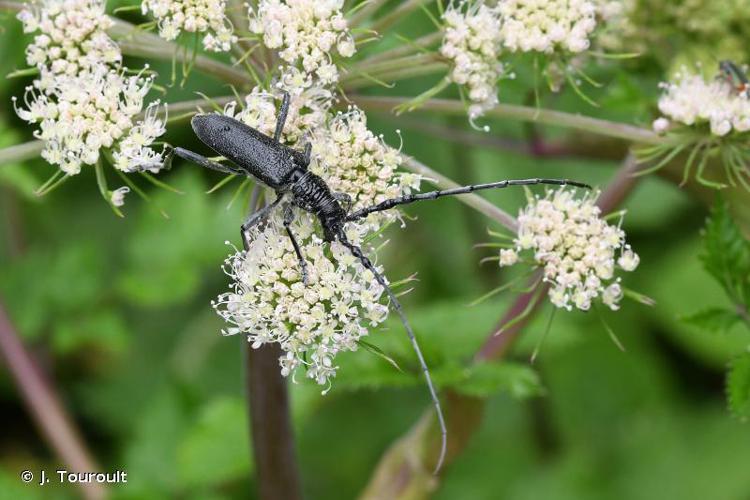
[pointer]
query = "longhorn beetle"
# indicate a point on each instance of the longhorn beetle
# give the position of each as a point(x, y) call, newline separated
point(283, 169)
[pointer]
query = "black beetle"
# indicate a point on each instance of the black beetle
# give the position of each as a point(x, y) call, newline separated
point(284, 169)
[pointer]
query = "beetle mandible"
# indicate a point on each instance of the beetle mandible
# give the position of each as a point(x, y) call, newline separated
point(285, 170)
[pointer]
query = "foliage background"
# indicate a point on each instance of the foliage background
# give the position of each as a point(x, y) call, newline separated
point(118, 312)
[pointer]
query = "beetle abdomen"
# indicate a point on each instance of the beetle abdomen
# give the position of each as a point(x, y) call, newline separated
point(261, 156)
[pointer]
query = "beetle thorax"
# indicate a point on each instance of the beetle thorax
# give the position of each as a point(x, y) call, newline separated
point(312, 194)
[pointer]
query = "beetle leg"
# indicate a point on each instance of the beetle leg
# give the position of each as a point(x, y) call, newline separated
point(288, 219)
point(166, 164)
point(282, 116)
point(256, 218)
point(308, 153)
point(345, 200)
point(206, 163)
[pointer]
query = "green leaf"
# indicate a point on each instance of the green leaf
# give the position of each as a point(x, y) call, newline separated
point(66, 283)
point(150, 450)
point(726, 254)
point(104, 328)
point(738, 386)
point(217, 448)
point(713, 320)
point(167, 258)
point(486, 379)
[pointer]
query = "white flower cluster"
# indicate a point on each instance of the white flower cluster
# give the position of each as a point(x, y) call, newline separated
point(547, 25)
point(305, 32)
point(576, 248)
point(193, 16)
point(357, 162)
point(691, 100)
point(83, 100)
point(472, 41)
point(95, 109)
point(71, 38)
point(307, 112)
point(620, 32)
point(312, 323)
point(268, 301)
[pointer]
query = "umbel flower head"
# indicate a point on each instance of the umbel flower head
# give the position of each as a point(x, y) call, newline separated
point(268, 301)
point(83, 99)
point(308, 109)
point(694, 101)
point(472, 41)
point(80, 114)
point(313, 323)
point(306, 33)
point(547, 25)
point(578, 251)
point(355, 161)
point(72, 36)
point(193, 16)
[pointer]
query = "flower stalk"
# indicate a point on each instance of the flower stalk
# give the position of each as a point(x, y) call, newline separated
point(522, 113)
point(46, 408)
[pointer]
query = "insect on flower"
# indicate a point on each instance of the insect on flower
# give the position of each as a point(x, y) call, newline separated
point(285, 170)
point(735, 75)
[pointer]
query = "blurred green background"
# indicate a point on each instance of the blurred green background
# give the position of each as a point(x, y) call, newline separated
point(117, 311)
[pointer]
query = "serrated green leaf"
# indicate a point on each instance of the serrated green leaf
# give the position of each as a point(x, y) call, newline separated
point(713, 320)
point(217, 448)
point(738, 386)
point(726, 253)
point(486, 379)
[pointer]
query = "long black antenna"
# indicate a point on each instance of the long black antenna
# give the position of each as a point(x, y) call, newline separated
point(431, 195)
point(357, 252)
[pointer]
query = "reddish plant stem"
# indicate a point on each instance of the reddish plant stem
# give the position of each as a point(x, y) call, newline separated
point(496, 346)
point(46, 409)
point(404, 470)
point(276, 467)
point(277, 472)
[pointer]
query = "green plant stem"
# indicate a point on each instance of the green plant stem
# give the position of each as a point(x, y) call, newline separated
point(365, 12)
point(405, 470)
point(390, 64)
point(358, 81)
point(405, 8)
point(403, 49)
point(46, 408)
point(20, 152)
point(139, 43)
point(472, 200)
point(522, 113)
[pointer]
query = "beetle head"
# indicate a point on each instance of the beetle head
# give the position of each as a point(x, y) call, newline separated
point(213, 129)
